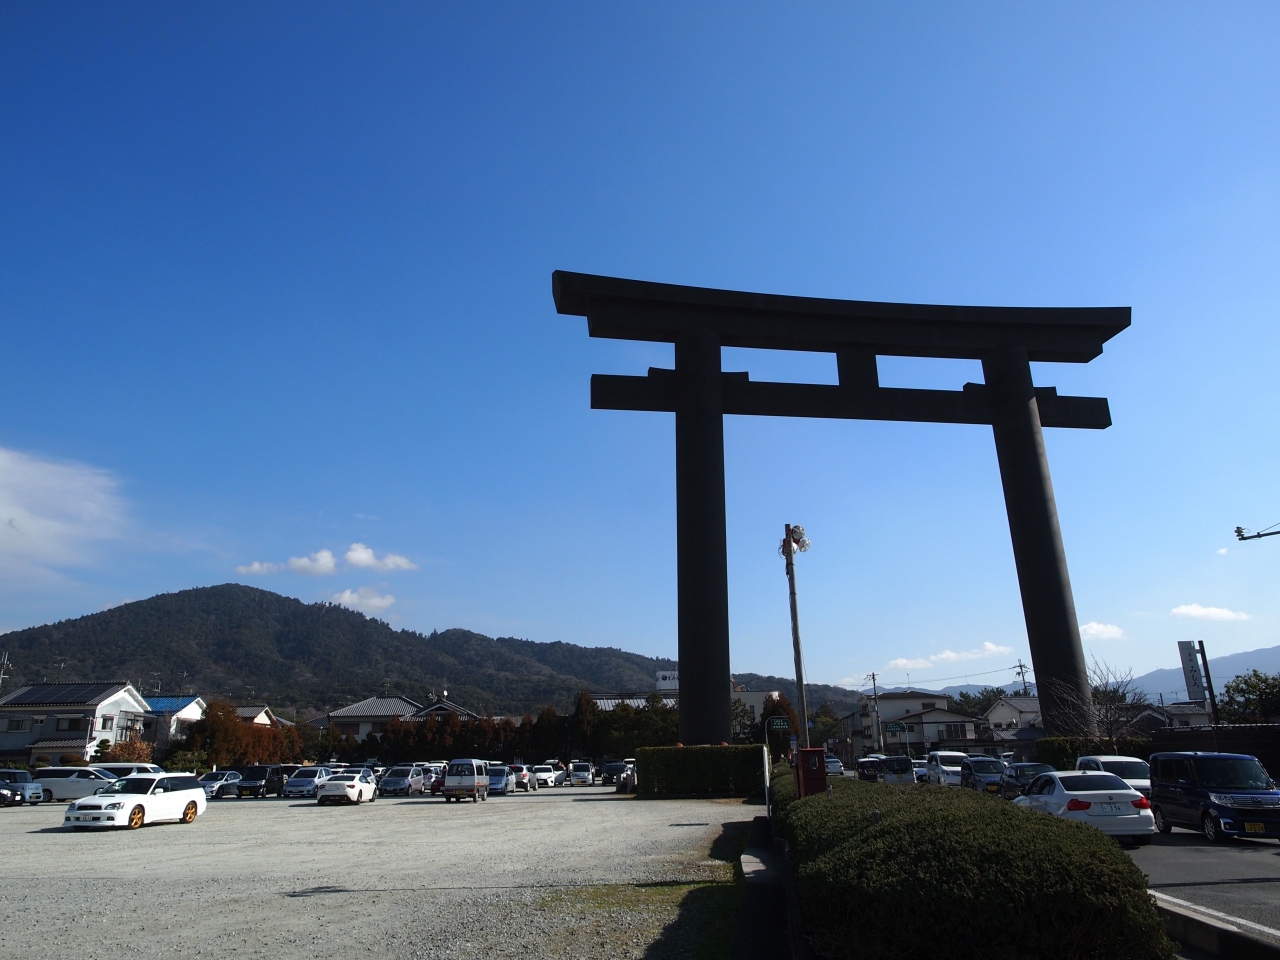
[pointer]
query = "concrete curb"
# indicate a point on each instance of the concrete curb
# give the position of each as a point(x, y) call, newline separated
point(1218, 938)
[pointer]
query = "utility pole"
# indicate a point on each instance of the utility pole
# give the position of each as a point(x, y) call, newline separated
point(1208, 683)
point(4, 666)
point(1022, 673)
point(793, 539)
point(877, 741)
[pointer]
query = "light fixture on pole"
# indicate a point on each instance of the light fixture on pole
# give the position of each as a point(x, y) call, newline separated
point(794, 541)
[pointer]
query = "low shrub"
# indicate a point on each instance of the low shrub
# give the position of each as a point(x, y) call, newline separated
point(734, 770)
point(1062, 752)
point(886, 871)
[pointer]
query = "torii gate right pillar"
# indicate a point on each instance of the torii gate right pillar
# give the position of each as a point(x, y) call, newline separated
point(1048, 606)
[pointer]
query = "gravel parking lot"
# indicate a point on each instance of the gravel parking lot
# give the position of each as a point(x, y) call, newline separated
point(569, 872)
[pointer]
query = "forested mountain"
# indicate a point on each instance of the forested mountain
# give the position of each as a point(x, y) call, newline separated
point(841, 699)
point(254, 645)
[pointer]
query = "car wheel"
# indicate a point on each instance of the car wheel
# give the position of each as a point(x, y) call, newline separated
point(1213, 829)
point(1162, 824)
point(48, 796)
point(189, 812)
point(319, 801)
point(136, 816)
point(373, 796)
point(359, 796)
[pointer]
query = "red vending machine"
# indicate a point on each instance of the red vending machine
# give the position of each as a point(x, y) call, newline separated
point(811, 771)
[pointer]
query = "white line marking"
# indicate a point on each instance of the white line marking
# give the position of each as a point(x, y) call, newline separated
point(1216, 913)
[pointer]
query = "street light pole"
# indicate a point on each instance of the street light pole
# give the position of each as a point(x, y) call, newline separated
point(794, 539)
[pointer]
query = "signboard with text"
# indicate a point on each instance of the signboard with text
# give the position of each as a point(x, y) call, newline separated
point(1191, 670)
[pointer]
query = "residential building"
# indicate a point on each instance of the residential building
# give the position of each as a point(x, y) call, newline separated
point(915, 734)
point(261, 715)
point(862, 731)
point(60, 722)
point(369, 716)
point(167, 719)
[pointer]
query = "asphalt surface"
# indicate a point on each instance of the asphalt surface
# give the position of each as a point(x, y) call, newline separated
point(525, 875)
point(1240, 878)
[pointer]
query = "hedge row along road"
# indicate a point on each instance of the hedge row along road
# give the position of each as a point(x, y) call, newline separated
point(951, 874)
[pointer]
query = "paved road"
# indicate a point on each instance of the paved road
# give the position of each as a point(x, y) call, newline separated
point(1240, 878)
point(526, 875)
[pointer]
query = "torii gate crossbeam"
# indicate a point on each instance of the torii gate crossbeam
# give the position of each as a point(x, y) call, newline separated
point(699, 321)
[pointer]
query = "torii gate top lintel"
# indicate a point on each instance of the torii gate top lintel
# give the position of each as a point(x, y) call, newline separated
point(640, 310)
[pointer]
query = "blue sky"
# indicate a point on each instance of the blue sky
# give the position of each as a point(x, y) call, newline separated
point(276, 281)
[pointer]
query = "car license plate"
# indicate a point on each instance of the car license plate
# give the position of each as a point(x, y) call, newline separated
point(1255, 827)
point(992, 788)
point(1112, 807)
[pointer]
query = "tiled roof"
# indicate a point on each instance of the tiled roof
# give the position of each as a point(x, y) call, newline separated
point(59, 744)
point(68, 694)
point(441, 705)
point(378, 707)
point(169, 704)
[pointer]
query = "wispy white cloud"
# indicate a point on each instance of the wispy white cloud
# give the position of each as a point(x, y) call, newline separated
point(322, 563)
point(53, 513)
point(1101, 631)
point(988, 649)
point(258, 568)
point(366, 600)
point(1195, 611)
point(1222, 551)
point(358, 555)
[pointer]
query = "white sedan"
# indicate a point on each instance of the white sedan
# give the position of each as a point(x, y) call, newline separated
point(1101, 800)
point(834, 767)
point(143, 798)
point(348, 788)
point(545, 775)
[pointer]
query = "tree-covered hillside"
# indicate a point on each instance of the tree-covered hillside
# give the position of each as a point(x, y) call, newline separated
point(254, 645)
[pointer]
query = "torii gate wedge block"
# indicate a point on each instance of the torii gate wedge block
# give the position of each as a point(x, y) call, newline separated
point(699, 321)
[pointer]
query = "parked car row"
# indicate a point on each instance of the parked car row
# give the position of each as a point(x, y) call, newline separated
point(1220, 795)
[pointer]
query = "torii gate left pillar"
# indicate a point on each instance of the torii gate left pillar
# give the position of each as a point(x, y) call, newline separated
point(700, 321)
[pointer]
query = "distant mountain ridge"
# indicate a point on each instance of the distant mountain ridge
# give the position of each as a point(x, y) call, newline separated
point(1170, 683)
point(255, 645)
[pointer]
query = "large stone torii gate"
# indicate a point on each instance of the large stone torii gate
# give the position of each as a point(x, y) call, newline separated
point(699, 321)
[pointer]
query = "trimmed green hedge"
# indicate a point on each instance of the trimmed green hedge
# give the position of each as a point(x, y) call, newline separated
point(735, 770)
point(1062, 752)
point(949, 874)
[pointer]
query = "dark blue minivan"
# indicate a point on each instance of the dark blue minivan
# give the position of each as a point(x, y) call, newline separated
point(1223, 795)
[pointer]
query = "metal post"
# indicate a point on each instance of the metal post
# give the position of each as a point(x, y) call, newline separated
point(789, 552)
point(702, 564)
point(1208, 682)
point(1053, 634)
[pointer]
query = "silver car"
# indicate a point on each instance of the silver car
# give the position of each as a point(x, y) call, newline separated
point(306, 781)
point(403, 780)
point(219, 783)
point(22, 786)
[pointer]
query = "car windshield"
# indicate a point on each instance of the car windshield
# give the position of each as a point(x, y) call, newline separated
point(399, 772)
point(1231, 773)
point(131, 785)
point(543, 768)
point(868, 764)
point(213, 775)
point(306, 773)
point(1027, 771)
point(497, 771)
point(619, 767)
point(15, 776)
point(344, 778)
point(582, 768)
point(986, 766)
point(952, 760)
point(462, 770)
point(896, 765)
point(1127, 769)
point(255, 773)
point(1083, 783)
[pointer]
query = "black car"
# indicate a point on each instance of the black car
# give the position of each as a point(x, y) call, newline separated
point(613, 771)
point(259, 781)
point(982, 774)
point(869, 769)
point(1018, 777)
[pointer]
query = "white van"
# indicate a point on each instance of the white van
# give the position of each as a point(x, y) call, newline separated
point(467, 778)
point(944, 767)
point(72, 783)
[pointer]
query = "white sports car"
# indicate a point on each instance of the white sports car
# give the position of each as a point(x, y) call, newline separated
point(348, 788)
point(143, 798)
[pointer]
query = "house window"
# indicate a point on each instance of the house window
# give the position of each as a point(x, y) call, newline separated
point(866, 731)
point(108, 723)
point(347, 729)
point(15, 724)
point(70, 723)
point(956, 731)
point(911, 728)
point(379, 727)
point(928, 706)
